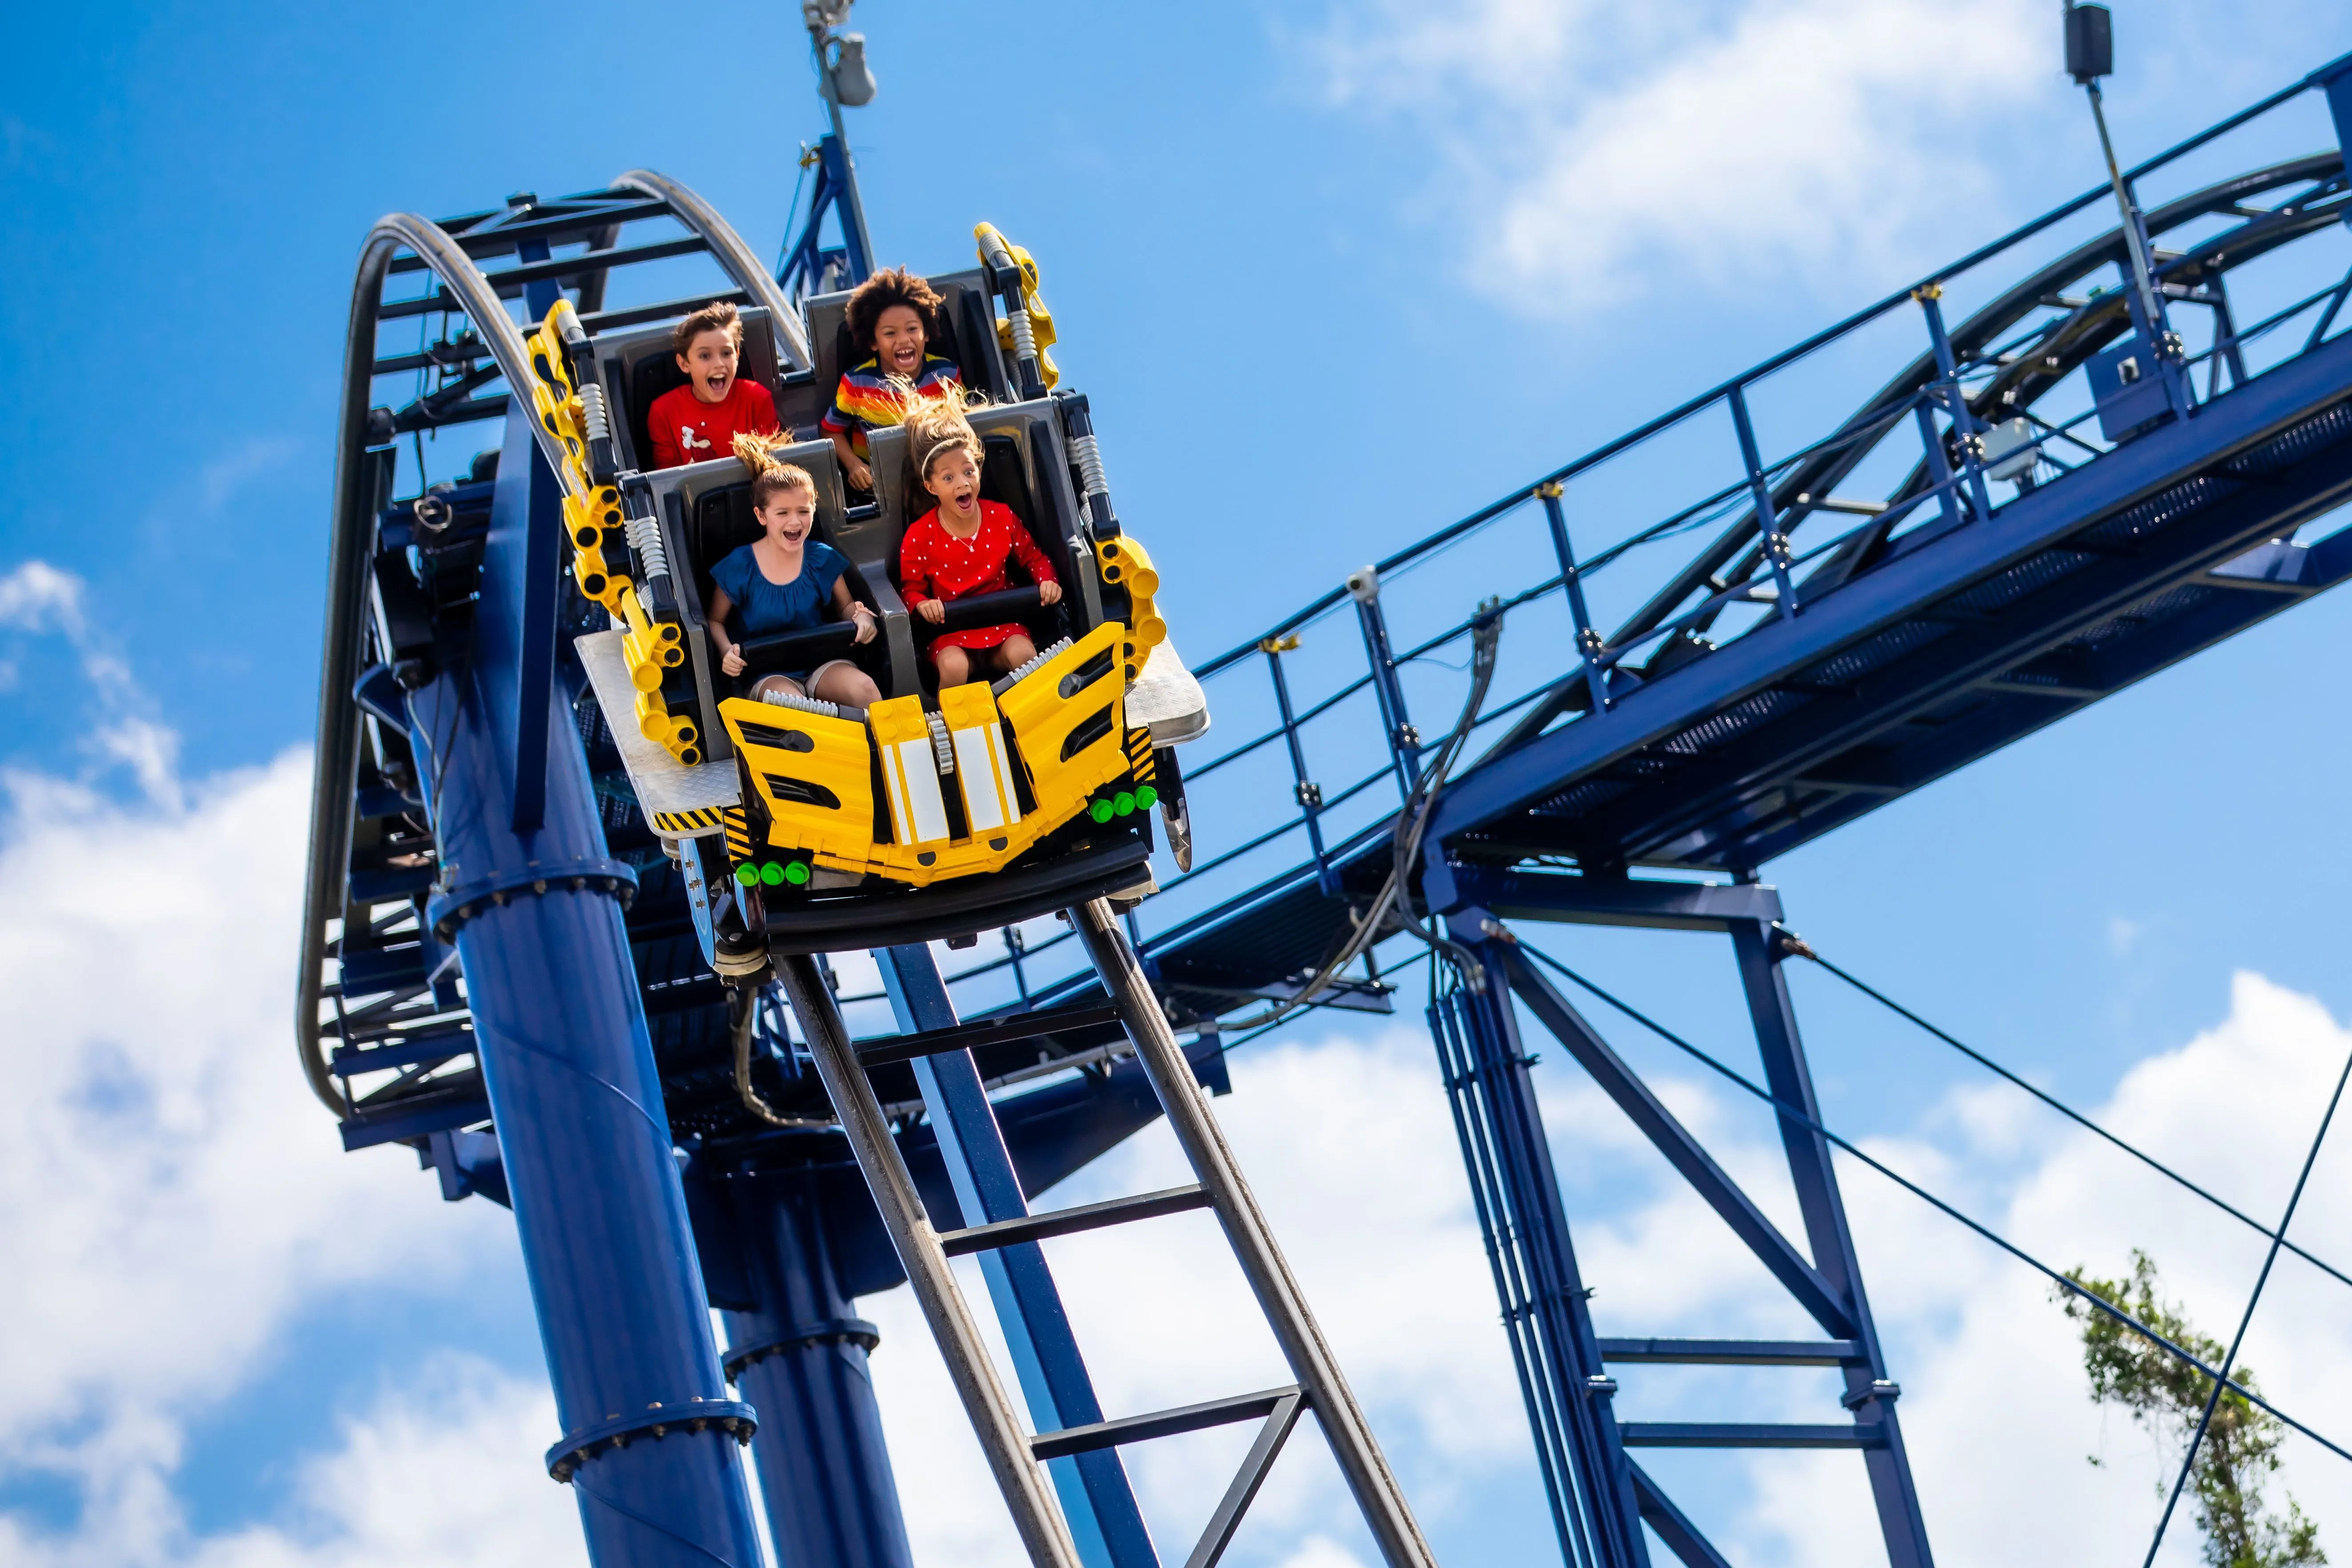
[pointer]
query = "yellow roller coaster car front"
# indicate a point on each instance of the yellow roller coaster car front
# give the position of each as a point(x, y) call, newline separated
point(912, 793)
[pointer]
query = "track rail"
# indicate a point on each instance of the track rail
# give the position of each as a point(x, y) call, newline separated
point(337, 761)
point(703, 220)
point(403, 244)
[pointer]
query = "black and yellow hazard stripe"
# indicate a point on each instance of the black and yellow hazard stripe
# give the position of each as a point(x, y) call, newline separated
point(1139, 756)
point(687, 824)
point(738, 836)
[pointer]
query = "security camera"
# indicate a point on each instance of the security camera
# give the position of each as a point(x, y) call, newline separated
point(1364, 582)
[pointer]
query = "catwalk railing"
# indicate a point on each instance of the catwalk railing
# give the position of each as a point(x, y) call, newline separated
point(1793, 505)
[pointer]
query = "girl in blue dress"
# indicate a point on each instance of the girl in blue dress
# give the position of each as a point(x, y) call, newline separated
point(783, 582)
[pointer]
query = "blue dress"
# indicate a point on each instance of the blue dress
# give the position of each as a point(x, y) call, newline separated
point(767, 608)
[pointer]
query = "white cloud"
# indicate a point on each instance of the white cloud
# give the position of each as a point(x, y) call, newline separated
point(171, 1199)
point(38, 599)
point(1597, 152)
point(171, 1196)
point(440, 1473)
point(1367, 1196)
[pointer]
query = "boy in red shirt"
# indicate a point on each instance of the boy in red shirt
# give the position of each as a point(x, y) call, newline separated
point(699, 421)
point(961, 547)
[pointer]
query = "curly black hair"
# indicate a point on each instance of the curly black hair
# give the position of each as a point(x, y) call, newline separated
point(891, 286)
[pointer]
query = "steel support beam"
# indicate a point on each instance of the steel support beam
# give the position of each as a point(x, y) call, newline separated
point(1681, 1536)
point(1093, 1485)
point(1526, 1230)
point(1869, 1393)
point(1825, 1299)
point(1553, 896)
point(1586, 1474)
point(800, 1359)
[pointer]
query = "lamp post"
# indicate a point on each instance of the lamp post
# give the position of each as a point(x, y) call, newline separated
point(846, 81)
point(2089, 55)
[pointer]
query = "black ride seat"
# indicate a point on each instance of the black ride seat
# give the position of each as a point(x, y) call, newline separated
point(963, 329)
point(640, 365)
point(1005, 479)
point(722, 521)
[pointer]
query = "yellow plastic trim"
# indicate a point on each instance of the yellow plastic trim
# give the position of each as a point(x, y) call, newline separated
point(1040, 319)
point(1045, 721)
point(1125, 563)
point(797, 762)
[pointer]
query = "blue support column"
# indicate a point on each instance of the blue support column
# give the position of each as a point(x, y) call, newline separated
point(836, 192)
point(1595, 1508)
point(824, 1472)
point(570, 1073)
point(1093, 1487)
point(1869, 1393)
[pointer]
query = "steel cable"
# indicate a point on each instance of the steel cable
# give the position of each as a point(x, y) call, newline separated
point(2068, 1111)
point(2237, 1343)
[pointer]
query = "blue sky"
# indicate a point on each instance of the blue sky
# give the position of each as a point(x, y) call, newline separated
point(1331, 275)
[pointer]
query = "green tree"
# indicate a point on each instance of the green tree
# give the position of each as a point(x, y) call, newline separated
point(2167, 1396)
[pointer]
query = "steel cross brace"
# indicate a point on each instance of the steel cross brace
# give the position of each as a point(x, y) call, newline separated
point(1093, 1487)
point(1528, 1238)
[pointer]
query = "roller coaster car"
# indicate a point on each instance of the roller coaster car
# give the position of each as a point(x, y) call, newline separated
point(804, 827)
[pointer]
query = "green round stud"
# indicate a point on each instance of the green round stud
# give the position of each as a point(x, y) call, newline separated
point(772, 873)
point(1102, 811)
point(747, 874)
point(1145, 798)
point(1123, 802)
point(796, 872)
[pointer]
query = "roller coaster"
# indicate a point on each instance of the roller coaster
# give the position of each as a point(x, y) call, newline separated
point(570, 898)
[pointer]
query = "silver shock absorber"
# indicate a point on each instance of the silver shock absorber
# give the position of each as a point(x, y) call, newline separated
point(593, 417)
point(1024, 340)
point(645, 538)
point(1078, 422)
point(654, 588)
point(1088, 452)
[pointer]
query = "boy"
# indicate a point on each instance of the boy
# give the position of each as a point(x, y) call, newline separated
point(699, 421)
point(889, 318)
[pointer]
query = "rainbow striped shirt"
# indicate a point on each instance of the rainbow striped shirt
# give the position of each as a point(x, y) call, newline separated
point(866, 399)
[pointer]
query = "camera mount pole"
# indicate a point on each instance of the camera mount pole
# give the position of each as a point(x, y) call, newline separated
point(2089, 55)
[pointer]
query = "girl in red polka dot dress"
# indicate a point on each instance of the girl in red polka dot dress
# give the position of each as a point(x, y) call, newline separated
point(963, 546)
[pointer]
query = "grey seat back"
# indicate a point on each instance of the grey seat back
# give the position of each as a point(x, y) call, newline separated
point(637, 365)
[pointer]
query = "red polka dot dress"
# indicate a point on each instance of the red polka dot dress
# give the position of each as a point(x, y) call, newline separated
point(935, 564)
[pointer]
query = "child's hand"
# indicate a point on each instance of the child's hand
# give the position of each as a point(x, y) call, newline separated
point(1049, 593)
point(861, 478)
point(731, 661)
point(865, 619)
point(932, 610)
